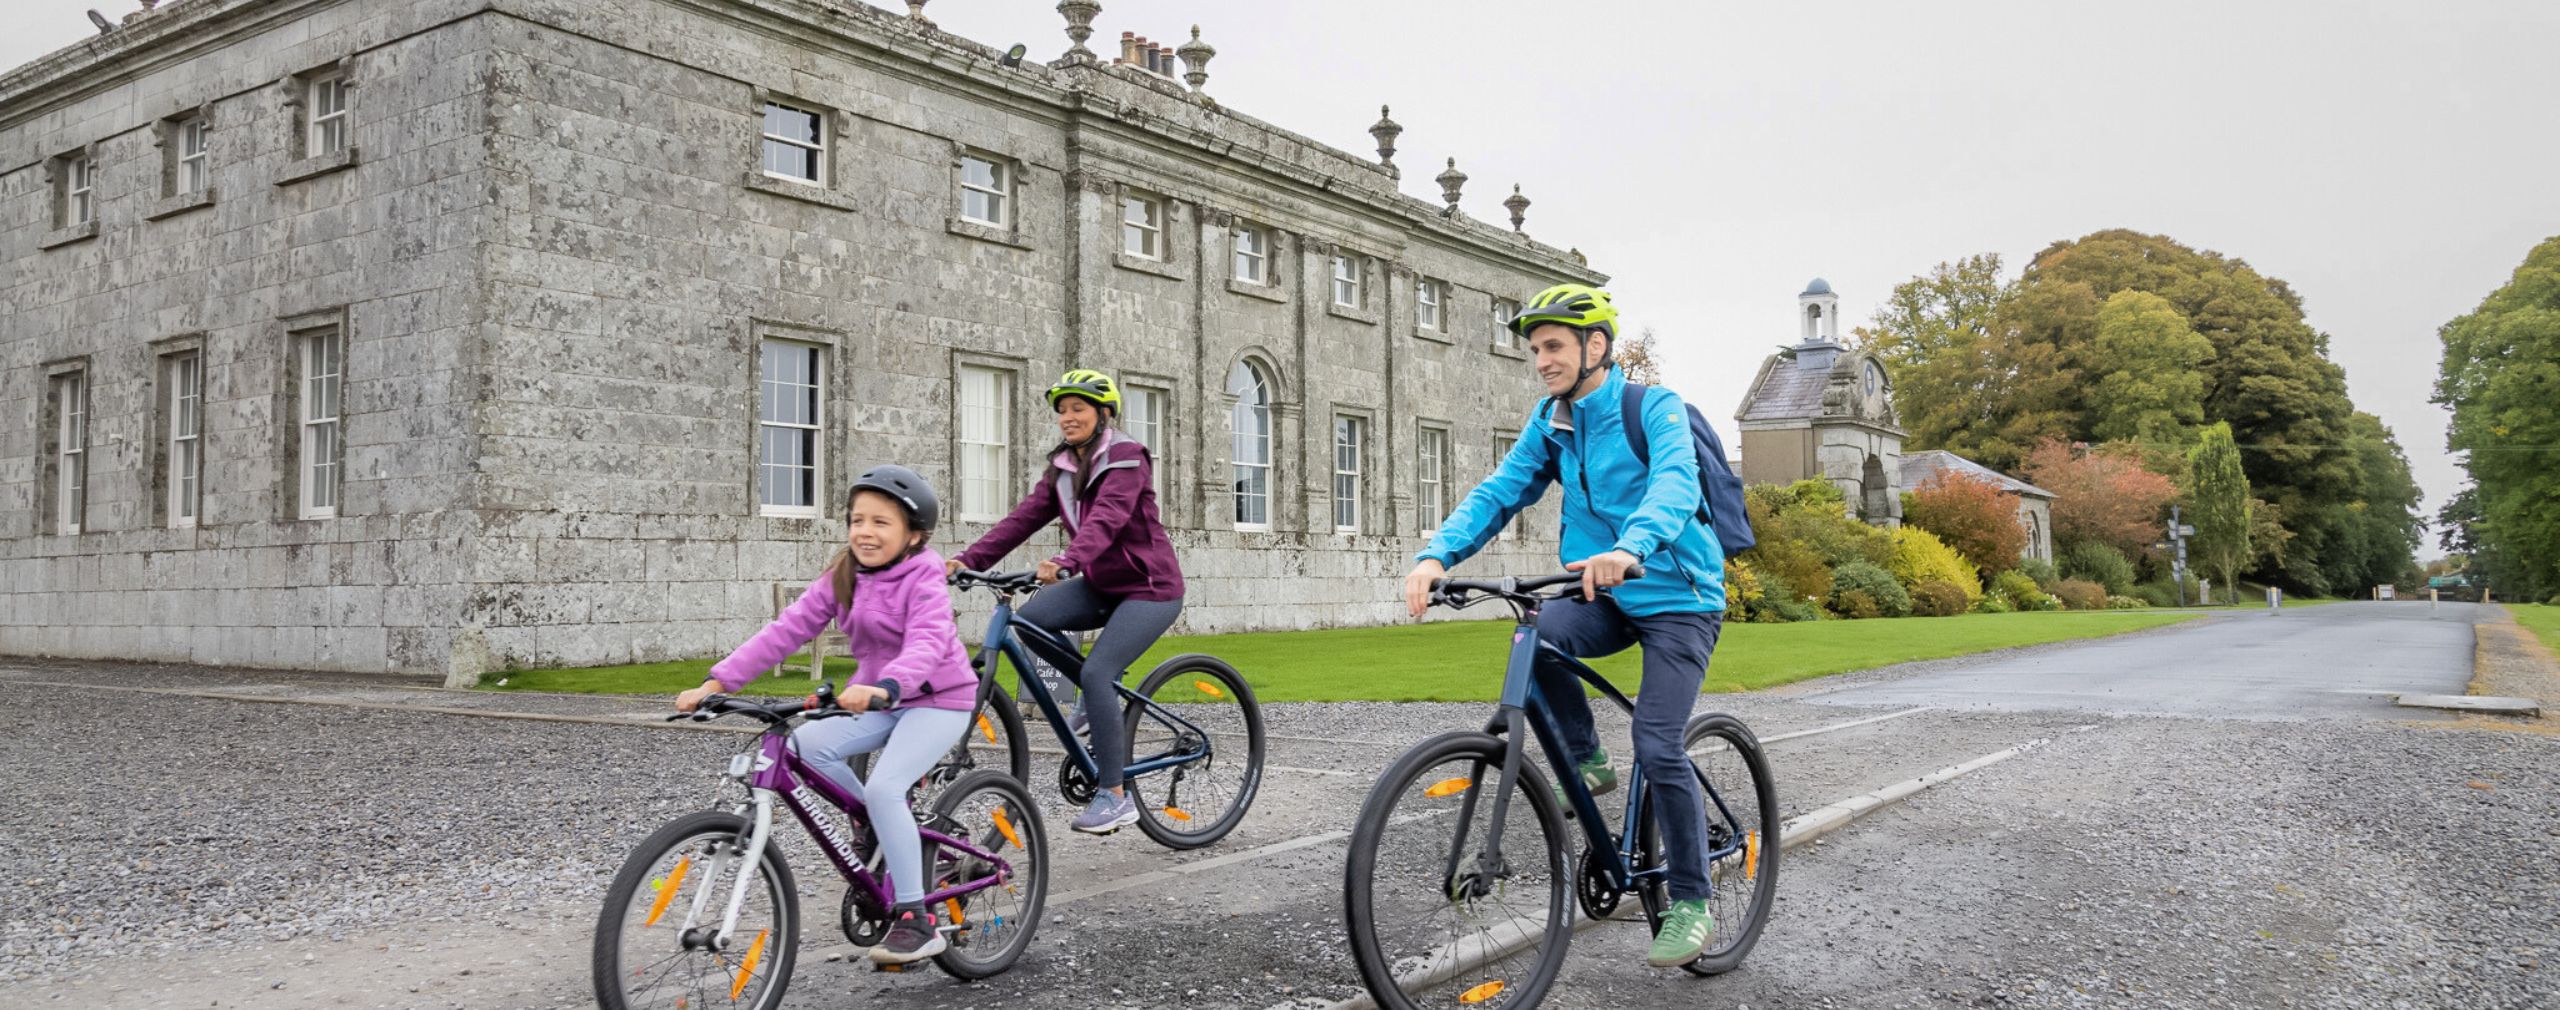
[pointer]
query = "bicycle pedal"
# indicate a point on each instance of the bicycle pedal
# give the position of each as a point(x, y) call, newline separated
point(892, 968)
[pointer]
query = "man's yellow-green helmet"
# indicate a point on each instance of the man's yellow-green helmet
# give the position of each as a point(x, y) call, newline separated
point(1580, 306)
point(1089, 384)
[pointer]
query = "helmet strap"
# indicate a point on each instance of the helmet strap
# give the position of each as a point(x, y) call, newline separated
point(1606, 359)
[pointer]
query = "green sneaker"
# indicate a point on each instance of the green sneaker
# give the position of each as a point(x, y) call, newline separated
point(1597, 776)
point(1683, 936)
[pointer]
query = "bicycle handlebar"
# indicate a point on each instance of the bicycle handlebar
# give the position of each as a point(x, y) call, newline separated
point(1462, 593)
point(1002, 582)
point(821, 705)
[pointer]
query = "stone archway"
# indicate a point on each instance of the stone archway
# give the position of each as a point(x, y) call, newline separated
point(1875, 493)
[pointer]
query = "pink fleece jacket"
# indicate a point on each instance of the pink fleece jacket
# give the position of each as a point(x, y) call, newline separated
point(899, 626)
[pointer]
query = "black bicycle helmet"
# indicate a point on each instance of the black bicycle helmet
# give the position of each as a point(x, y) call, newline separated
point(908, 487)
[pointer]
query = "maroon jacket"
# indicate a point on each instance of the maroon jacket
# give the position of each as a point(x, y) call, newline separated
point(1114, 537)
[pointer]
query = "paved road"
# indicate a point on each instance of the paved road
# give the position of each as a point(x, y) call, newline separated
point(2333, 661)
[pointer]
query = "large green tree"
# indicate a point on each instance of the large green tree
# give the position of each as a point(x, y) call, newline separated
point(1961, 382)
point(2501, 377)
point(2219, 504)
point(2148, 388)
point(2269, 378)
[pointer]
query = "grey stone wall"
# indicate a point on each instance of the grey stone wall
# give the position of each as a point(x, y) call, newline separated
point(555, 261)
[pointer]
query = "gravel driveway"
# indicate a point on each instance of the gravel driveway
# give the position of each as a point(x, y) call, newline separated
point(181, 851)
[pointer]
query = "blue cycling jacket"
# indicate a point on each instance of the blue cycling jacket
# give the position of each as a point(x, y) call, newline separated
point(1612, 501)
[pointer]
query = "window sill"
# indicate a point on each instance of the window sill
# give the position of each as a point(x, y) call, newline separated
point(1144, 265)
point(1509, 351)
point(1339, 310)
point(1266, 292)
point(1263, 530)
point(1432, 333)
point(60, 237)
point(173, 206)
point(313, 168)
point(984, 232)
point(801, 191)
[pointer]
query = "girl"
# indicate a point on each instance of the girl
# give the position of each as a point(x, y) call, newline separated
point(1117, 572)
point(914, 685)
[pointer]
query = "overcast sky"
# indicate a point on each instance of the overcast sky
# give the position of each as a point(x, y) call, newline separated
point(2393, 161)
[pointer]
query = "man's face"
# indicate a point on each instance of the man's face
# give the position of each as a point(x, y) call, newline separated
point(1562, 354)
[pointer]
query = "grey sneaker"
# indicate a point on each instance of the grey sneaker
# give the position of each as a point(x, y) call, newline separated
point(1107, 813)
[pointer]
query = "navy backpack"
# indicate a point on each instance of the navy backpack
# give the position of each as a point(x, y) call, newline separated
point(1722, 509)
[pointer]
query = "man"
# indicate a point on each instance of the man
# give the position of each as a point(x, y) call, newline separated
point(1619, 512)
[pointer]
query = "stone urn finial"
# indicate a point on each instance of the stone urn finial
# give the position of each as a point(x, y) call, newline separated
point(1519, 206)
point(1079, 15)
point(1386, 131)
point(915, 11)
point(1195, 60)
point(1450, 179)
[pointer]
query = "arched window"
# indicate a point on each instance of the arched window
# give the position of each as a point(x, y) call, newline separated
point(1250, 423)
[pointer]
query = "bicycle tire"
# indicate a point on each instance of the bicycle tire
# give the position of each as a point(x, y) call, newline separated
point(962, 959)
point(779, 951)
point(1167, 824)
point(1378, 813)
point(1731, 941)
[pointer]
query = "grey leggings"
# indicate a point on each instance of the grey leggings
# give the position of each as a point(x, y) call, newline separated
point(910, 741)
point(1128, 628)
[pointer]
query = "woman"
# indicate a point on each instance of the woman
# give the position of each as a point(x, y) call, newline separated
point(1117, 573)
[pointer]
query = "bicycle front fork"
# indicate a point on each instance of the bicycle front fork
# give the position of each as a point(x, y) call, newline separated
point(748, 858)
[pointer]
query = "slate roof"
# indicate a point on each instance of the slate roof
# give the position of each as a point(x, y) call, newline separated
point(1918, 467)
point(1791, 392)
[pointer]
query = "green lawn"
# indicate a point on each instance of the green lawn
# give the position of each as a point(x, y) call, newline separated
point(1462, 661)
point(2542, 619)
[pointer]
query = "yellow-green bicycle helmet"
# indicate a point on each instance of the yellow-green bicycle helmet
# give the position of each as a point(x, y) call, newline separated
point(1093, 386)
point(1580, 306)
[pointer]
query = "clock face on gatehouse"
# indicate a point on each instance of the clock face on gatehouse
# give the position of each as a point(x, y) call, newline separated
point(1875, 379)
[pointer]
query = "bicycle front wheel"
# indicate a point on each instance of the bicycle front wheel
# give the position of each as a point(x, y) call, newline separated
point(653, 946)
point(1208, 714)
point(1742, 839)
point(1438, 916)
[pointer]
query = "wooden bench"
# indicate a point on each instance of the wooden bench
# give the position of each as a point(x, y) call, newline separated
point(830, 640)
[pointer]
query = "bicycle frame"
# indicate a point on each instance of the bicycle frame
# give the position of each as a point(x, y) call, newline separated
point(1522, 703)
point(777, 772)
point(1019, 640)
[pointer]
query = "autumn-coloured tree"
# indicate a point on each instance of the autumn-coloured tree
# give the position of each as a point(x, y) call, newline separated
point(1639, 358)
point(1973, 516)
point(2101, 495)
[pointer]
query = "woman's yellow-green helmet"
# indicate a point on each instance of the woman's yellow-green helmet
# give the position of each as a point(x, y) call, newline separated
point(1580, 306)
point(1089, 384)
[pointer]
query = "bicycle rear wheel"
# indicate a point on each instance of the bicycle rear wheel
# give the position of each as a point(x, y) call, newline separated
point(994, 924)
point(1742, 806)
point(1199, 801)
point(1437, 919)
point(645, 957)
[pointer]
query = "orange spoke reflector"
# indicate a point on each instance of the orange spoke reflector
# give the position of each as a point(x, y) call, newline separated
point(667, 891)
point(1751, 856)
point(986, 728)
point(1448, 787)
point(747, 967)
point(1481, 993)
point(1209, 689)
point(1177, 813)
point(954, 905)
point(1005, 825)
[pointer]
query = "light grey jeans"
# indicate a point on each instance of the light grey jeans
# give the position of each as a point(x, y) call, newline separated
point(910, 741)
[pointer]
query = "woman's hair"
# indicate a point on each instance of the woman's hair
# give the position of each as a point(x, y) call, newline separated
point(841, 571)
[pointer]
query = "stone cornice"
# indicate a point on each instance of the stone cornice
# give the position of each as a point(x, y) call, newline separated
point(1078, 96)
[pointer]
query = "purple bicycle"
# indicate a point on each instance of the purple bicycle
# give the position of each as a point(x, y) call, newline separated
point(705, 912)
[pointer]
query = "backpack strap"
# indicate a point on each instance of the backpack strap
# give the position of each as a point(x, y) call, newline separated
point(1631, 417)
